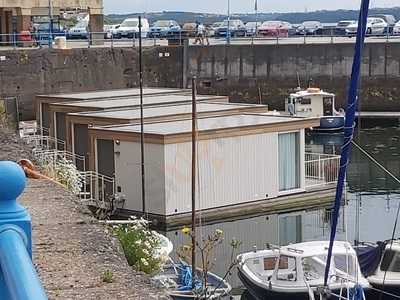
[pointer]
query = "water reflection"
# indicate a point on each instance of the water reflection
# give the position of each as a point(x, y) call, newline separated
point(372, 199)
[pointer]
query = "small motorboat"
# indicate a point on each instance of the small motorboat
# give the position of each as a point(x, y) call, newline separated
point(177, 279)
point(314, 102)
point(297, 271)
point(385, 277)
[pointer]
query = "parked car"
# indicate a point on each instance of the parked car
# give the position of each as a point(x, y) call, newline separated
point(252, 28)
point(214, 27)
point(310, 28)
point(129, 28)
point(80, 30)
point(389, 19)
point(374, 26)
point(110, 31)
point(396, 28)
point(165, 28)
point(341, 26)
point(291, 28)
point(274, 28)
point(42, 33)
point(236, 29)
point(189, 29)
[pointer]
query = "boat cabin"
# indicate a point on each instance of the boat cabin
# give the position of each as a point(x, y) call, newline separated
point(312, 102)
point(296, 268)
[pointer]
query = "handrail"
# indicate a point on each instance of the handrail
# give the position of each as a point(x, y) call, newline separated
point(18, 277)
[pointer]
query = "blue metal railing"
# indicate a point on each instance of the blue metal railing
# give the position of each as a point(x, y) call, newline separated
point(18, 277)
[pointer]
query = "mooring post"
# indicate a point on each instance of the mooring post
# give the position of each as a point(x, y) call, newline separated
point(18, 277)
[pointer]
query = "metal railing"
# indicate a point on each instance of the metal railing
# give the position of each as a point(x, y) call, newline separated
point(107, 39)
point(51, 157)
point(44, 142)
point(321, 169)
point(97, 190)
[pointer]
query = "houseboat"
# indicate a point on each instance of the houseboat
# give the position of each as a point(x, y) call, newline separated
point(244, 159)
point(77, 124)
point(297, 271)
point(314, 102)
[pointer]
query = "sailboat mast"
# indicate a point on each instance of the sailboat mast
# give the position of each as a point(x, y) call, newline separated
point(141, 119)
point(194, 148)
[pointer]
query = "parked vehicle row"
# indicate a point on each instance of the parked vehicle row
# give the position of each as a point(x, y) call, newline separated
point(129, 28)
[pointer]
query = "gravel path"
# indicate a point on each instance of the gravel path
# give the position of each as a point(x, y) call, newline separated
point(71, 249)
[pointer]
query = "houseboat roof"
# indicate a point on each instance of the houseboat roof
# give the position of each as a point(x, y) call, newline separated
point(102, 104)
point(170, 110)
point(317, 248)
point(210, 127)
point(311, 92)
point(115, 93)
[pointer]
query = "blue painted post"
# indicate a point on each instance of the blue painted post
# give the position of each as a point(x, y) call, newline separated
point(18, 277)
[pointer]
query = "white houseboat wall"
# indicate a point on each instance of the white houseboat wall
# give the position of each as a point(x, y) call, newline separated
point(43, 101)
point(242, 159)
point(77, 124)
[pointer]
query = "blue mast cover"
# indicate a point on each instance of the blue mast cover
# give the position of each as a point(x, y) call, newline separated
point(352, 100)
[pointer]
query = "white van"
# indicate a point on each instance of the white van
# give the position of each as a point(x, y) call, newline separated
point(129, 28)
point(80, 30)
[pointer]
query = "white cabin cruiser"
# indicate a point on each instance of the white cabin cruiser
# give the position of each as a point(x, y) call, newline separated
point(387, 275)
point(297, 271)
point(314, 102)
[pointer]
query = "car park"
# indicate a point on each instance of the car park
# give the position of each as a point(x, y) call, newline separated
point(252, 28)
point(396, 28)
point(236, 29)
point(42, 32)
point(80, 30)
point(164, 29)
point(389, 19)
point(274, 29)
point(310, 28)
point(129, 28)
point(375, 26)
point(214, 27)
point(341, 26)
point(290, 27)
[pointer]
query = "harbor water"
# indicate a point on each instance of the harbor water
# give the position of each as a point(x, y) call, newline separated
point(372, 200)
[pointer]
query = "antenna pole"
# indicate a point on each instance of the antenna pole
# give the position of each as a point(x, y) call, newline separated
point(194, 136)
point(141, 119)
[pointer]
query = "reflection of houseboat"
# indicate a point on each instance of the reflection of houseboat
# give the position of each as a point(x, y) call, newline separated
point(314, 102)
point(296, 271)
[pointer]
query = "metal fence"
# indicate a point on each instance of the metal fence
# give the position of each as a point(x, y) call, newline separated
point(106, 39)
point(98, 190)
point(321, 169)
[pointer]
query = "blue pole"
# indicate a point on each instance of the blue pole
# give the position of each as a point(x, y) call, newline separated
point(18, 277)
point(349, 127)
point(19, 274)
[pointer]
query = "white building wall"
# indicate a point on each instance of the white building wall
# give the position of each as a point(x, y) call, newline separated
point(230, 171)
point(128, 176)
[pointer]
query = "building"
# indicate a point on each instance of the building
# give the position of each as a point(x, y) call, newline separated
point(77, 124)
point(43, 101)
point(17, 16)
point(58, 111)
point(243, 159)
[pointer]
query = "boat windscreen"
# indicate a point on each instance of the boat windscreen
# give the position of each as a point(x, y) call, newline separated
point(391, 261)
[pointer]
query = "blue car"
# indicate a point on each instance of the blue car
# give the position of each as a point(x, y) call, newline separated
point(42, 33)
point(165, 29)
point(236, 29)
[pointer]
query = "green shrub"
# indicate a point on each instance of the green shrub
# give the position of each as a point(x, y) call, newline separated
point(140, 246)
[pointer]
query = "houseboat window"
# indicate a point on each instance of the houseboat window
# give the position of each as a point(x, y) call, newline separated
point(305, 101)
point(286, 269)
point(289, 161)
point(328, 106)
point(313, 267)
point(391, 261)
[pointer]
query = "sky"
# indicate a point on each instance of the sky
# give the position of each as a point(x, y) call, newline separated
point(237, 6)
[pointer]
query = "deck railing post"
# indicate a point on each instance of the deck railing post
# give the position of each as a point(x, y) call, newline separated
point(18, 277)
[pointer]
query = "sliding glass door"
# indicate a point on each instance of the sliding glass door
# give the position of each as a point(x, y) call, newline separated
point(289, 161)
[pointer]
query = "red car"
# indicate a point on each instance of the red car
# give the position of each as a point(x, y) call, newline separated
point(274, 28)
